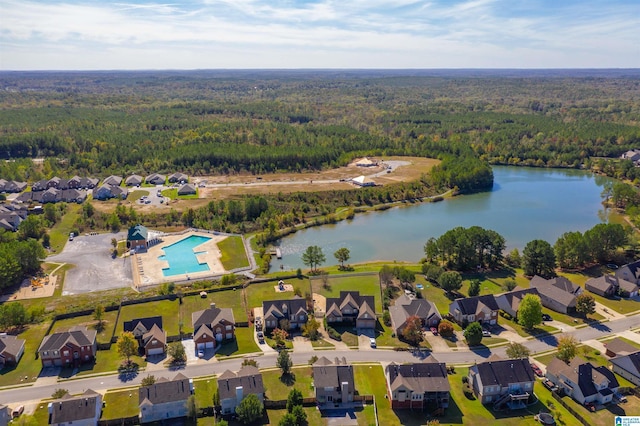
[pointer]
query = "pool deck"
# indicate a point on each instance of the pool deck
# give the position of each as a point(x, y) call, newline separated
point(147, 268)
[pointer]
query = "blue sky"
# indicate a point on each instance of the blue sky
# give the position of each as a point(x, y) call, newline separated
point(195, 34)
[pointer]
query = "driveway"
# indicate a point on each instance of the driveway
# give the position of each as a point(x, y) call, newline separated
point(301, 344)
point(437, 343)
point(95, 269)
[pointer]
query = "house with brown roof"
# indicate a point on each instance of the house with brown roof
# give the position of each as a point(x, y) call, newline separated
point(510, 301)
point(72, 347)
point(501, 382)
point(154, 342)
point(558, 294)
point(333, 382)
point(351, 308)
point(11, 350)
point(628, 366)
point(234, 387)
point(405, 307)
point(83, 410)
point(618, 347)
point(165, 399)
point(582, 381)
point(418, 385)
point(293, 310)
point(212, 326)
point(482, 309)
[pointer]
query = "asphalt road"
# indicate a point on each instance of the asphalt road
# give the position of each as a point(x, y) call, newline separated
point(544, 344)
point(95, 269)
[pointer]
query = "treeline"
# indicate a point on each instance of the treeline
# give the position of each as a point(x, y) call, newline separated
point(466, 248)
point(20, 256)
point(598, 244)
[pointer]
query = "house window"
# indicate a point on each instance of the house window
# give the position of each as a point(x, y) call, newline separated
point(66, 353)
point(228, 327)
point(301, 317)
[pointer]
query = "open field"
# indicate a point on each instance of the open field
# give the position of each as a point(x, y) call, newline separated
point(120, 403)
point(204, 390)
point(60, 231)
point(243, 344)
point(233, 253)
point(104, 334)
point(168, 309)
point(367, 285)
point(278, 387)
point(257, 293)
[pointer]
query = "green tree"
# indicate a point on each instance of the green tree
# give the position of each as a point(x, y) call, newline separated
point(604, 239)
point(250, 361)
point(432, 272)
point(530, 311)
point(294, 398)
point(250, 409)
point(279, 335)
point(585, 304)
point(412, 332)
point(473, 334)
point(474, 288)
point(98, 315)
point(192, 411)
point(148, 381)
point(31, 227)
point(59, 393)
point(509, 284)
point(127, 346)
point(451, 281)
point(284, 362)
point(311, 328)
point(13, 314)
point(289, 419)
point(177, 352)
point(299, 415)
point(567, 348)
point(538, 259)
point(342, 255)
point(513, 258)
point(517, 350)
point(386, 275)
point(313, 257)
point(571, 250)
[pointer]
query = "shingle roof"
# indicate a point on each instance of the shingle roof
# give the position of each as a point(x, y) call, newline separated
point(145, 323)
point(10, 345)
point(74, 408)
point(583, 373)
point(603, 283)
point(249, 377)
point(275, 307)
point(155, 333)
point(620, 347)
point(472, 305)
point(163, 391)
point(352, 298)
point(212, 316)
point(630, 272)
point(419, 377)
point(630, 363)
point(187, 188)
point(328, 374)
point(558, 288)
point(506, 371)
point(137, 232)
point(78, 335)
point(405, 307)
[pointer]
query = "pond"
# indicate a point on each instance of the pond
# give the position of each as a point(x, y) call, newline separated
point(525, 204)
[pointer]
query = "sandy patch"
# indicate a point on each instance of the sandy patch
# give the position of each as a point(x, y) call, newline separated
point(33, 289)
point(285, 288)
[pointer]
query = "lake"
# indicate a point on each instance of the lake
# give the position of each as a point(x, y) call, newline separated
point(525, 204)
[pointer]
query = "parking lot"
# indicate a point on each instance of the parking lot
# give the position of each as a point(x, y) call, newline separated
point(95, 269)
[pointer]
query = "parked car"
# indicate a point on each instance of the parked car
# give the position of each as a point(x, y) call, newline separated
point(590, 406)
point(546, 317)
point(620, 397)
point(486, 333)
point(17, 411)
point(372, 342)
point(537, 371)
point(260, 337)
point(612, 266)
point(434, 331)
point(549, 385)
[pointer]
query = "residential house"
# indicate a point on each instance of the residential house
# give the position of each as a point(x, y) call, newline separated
point(628, 366)
point(112, 180)
point(628, 289)
point(178, 178)
point(155, 179)
point(137, 238)
point(632, 155)
point(618, 347)
point(11, 216)
point(509, 302)
point(212, 326)
point(11, 350)
point(12, 186)
point(140, 326)
point(72, 347)
point(405, 307)
point(234, 387)
point(82, 410)
point(606, 285)
point(351, 308)
point(482, 309)
point(133, 180)
point(293, 310)
point(154, 342)
point(582, 381)
point(106, 191)
point(333, 382)
point(165, 399)
point(630, 272)
point(53, 195)
point(5, 415)
point(418, 385)
point(187, 189)
point(558, 294)
point(501, 382)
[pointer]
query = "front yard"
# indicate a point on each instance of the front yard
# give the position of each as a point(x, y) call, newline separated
point(28, 367)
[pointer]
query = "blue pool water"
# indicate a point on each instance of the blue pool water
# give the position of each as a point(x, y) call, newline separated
point(181, 257)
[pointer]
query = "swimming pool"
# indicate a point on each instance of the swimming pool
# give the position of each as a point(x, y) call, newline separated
point(182, 258)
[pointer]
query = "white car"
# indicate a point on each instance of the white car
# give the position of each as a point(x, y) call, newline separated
point(372, 342)
point(485, 333)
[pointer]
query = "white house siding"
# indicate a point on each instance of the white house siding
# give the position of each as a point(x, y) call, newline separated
point(157, 412)
point(624, 373)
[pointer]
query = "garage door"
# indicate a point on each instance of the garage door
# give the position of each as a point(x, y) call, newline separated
point(155, 351)
point(209, 345)
point(47, 363)
point(58, 362)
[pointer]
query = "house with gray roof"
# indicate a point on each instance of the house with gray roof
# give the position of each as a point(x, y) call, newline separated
point(606, 285)
point(133, 180)
point(482, 309)
point(618, 347)
point(212, 326)
point(178, 178)
point(333, 382)
point(107, 191)
point(152, 339)
point(11, 216)
point(510, 301)
point(11, 350)
point(155, 179)
point(418, 385)
point(112, 180)
point(628, 366)
point(405, 307)
point(65, 348)
point(351, 308)
point(293, 310)
point(5, 415)
point(501, 382)
point(582, 381)
point(12, 186)
point(187, 189)
point(83, 410)
point(630, 272)
point(558, 294)
point(165, 399)
point(234, 387)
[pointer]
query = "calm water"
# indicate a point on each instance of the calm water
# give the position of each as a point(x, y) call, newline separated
point(525, 204)
point(181, 257)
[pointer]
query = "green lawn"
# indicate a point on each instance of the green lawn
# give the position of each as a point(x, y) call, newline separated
point(384, 338)
point(137, 194)
point(606, 416)
point(204, 390)
point(539, 329)
point(370, 380)
point(561, 414)
point(244, 343)
point(104, 335)
point(434, 294)
point(367, 286)
point(120, 403)
point(173, 194)
point(168, 309)
point(222, 299)
point(233, 253)
point(314, 417)
point(39, 417)
point(106, 362)
point(60, 232)
point(321, 344)
point(28, 366)
point(278, 388)
point(257, 293)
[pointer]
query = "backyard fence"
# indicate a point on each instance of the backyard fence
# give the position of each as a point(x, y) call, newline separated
point(124, 421)
point(569, 409)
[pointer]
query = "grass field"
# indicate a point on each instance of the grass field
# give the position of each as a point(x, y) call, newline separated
point(28, 367)
point(278, 387)
point(370, 380)
point(106, 362)
point(223, 299)
point(168, 309)
point(233, 253)
point(257, 293)
point(103, 336)
point(243, 344)
point(173, 194)
point(367, 285)
point(120, 403)
point(204, 390)
point(60, 232)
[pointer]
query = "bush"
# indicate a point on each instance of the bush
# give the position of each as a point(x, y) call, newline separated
point(334, 334)
point(465, 379)
point(597, 352)
point(386, 318)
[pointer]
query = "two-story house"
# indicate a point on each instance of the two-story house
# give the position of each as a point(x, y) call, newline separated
point(212, 326)
point(510, 301)
point(582, 381)
point(501, 382)
point(558, 294)
point(333, 382)
point(152, 339)
point(165, 399)
point(418, 385)
point(351, 308)
point(82, 410)
point(404, 308)
point(294, 311)
point(628, 366)
point(72, 347)
point(482, 309)
point(234, 387)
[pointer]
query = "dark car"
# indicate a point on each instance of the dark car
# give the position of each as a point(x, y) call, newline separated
point(549, 385)
point(546, 317)
point(589, 406)
point(537, 371)
point(260, 337)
